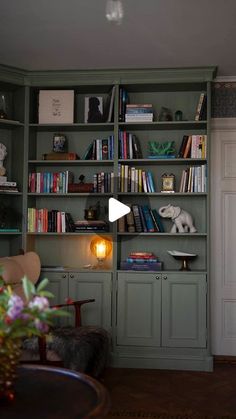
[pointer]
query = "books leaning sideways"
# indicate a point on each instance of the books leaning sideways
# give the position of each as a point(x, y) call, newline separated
point(6, 186)
point(141, 261)
point(91, 225)
point(139, 112)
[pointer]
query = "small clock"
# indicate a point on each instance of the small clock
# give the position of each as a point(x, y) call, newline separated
point(168, 183)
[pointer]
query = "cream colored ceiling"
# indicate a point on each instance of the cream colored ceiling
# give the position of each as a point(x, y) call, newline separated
point(74, 34)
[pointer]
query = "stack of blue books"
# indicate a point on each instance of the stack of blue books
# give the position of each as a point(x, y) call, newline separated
point(141, 261)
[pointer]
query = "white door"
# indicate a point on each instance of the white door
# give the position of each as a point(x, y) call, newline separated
point(223, 236)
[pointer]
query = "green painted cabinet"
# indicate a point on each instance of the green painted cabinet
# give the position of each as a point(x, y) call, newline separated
point(184, 310)
point(161, 309)
point(80, 286)
point(138, 309)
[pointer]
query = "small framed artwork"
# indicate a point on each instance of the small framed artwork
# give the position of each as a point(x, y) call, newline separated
point(56, 106)
point(93, 109)
point(168, 183)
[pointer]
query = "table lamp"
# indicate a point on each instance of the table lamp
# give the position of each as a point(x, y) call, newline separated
point(101, 248)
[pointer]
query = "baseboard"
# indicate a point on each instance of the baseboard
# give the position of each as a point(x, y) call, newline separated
point(224, 359)
point(170, 363)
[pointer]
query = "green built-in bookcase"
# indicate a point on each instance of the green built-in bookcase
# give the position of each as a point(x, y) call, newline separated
point(156, 319)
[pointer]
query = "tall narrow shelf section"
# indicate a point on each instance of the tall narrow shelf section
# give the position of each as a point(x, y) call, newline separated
point(12, 108)
point(158, 319)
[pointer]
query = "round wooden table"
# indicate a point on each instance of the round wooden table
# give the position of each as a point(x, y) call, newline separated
point(55, 393)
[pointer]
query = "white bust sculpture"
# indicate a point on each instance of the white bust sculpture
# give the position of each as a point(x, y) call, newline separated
point(3, 153)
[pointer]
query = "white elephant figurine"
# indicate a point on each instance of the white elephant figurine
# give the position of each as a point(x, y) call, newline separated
point(183, 222)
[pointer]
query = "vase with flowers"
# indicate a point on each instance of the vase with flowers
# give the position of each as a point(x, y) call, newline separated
point(18, 319)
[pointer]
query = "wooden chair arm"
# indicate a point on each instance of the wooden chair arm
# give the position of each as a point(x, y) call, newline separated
point(77, 305)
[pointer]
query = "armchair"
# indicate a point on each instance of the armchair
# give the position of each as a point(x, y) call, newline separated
point(81, 348)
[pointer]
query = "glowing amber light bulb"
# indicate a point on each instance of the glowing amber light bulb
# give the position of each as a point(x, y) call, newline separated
point(101, 248)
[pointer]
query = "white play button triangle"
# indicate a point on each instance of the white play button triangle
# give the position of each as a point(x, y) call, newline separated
point(116, 209)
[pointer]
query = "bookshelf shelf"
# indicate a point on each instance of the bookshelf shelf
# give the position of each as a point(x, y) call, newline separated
point(71, 162)
point(69, 194)
point(73, 127)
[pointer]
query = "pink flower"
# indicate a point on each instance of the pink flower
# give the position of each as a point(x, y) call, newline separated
point(15, 307)
point(41, 303)
point(42, 327)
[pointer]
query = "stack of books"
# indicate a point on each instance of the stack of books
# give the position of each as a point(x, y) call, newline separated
point(141, 261)
point(90, 225)
point(129, 146)
point(139, 112)
point(141, 219)
point(135, 180)
point(7, 186)
point(193, 146)
point(100, 149)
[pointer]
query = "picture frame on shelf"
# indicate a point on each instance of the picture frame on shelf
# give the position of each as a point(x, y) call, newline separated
point(56, 107)
point(93, 109)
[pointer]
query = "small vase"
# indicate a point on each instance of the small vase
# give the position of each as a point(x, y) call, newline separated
point(9, 359)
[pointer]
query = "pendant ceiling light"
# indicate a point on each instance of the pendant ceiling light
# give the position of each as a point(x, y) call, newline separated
point(114, 11)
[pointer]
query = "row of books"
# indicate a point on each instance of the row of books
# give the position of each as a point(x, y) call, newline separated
point(49, 182)
point(103, 182)
point(91, 225)
point(141, 261)
point(135, 180)
point(194, 179)
point(49, 221)
point(140, 219)
point(193, 146)
point(129, 146)
point(139, 112)
point(100, 149)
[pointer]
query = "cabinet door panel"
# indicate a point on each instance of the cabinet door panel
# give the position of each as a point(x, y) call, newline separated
point(93, 285)
point(138, 309)
point(184, 310)
point(58, 286)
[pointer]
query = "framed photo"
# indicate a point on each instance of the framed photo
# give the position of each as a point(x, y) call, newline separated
point(93, 109)
point(56, 106)
point(168, 183)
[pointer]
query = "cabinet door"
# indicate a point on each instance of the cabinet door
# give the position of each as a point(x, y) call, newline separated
point(58, 286)
point(139, 309)
point(184, 310)
point(95, 285)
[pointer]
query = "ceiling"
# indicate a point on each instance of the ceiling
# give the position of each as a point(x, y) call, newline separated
point(74, 34)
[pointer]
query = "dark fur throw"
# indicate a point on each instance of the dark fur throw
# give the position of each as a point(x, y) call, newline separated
point(84, 349)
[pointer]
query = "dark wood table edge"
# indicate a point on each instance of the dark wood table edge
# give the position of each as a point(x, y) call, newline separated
point(104, 403)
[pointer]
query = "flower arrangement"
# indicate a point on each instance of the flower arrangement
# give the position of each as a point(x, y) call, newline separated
point(21, 318)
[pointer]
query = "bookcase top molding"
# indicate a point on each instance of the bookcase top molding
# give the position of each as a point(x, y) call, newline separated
point(107, 76)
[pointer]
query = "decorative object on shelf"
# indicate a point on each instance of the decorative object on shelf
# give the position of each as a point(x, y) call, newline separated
point(161, 150)
point(165, 115)
point(178, 116)
point(183, 222)
point(93, 109)
point(168, 183)
point(56, 106)
point(114, 11)
point(101, 248)
point(60, 144)
point(5, 105)
point(92, 213)
point(3, 154)
point(19, 319)
point(184, 257)
point(81, 186)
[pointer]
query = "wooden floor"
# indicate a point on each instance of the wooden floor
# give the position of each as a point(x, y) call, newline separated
point(138, 393)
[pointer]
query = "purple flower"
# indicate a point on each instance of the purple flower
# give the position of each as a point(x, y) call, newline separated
point(41, 326)
point(15, 307)
point(41, 303)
